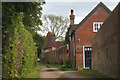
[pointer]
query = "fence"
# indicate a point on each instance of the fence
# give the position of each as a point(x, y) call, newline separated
point(58, 56)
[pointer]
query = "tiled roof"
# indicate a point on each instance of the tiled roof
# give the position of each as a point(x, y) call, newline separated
point(50, 41)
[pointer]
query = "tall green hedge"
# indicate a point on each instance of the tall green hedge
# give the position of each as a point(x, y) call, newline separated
point(20, 54)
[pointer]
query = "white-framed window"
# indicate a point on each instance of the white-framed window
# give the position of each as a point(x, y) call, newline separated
point(96, 26)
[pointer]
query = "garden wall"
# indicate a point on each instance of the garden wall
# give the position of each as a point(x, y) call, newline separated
point(58, 56)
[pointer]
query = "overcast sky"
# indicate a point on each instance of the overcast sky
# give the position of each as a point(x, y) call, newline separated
point(81, 7)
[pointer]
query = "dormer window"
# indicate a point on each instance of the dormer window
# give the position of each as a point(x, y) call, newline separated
point(96, 26)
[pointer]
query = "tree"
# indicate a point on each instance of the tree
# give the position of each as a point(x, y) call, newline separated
point(31, 18)
point(32, 14)
point(19, 22)
point(55, 24)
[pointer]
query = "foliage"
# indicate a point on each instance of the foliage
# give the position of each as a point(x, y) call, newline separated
point(31, 19)
point(68, 64)
point(39, 40)
point(19, 56)
point(62, 68)
point(66, 67)
point(80, 65)
point(55, 24)
point(67, 37)
point(18, 46)
point(32, 14)
point(19, 50)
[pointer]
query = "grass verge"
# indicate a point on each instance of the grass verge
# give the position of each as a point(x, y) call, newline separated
point(34, 73)
point(93, 73)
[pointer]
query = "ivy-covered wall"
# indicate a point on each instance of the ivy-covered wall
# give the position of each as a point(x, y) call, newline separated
point(20, 53)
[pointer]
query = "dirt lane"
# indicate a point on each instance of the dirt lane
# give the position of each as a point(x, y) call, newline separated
point(53, 72)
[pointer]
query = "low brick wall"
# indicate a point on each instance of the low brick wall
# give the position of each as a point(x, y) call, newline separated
point(58, 56)
point(105, 46)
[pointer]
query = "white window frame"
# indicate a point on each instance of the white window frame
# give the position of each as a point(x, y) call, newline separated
point(96, 26)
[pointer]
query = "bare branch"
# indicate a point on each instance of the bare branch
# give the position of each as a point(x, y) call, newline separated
point(56, 24)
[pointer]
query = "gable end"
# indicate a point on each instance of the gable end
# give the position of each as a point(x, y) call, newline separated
point(100, 4)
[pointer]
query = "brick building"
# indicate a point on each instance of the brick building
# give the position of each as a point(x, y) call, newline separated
point(51, 44)
point(81, 35)
point(106, 46)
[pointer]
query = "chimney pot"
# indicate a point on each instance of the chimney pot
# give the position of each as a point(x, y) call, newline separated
point(72, 17)
point(71, 11)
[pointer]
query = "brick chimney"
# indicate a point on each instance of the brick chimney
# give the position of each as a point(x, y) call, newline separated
point(72, 17)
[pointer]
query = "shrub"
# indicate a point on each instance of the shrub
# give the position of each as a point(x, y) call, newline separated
point(62, 68)
point(68, 64)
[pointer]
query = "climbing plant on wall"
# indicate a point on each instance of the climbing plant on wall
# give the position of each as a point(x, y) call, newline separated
point(20, 55)
point(19, 23)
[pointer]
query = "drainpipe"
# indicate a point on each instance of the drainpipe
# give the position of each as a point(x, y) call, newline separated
point(74, 50)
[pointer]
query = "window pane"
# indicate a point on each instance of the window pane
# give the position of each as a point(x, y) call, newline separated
point(95, 27)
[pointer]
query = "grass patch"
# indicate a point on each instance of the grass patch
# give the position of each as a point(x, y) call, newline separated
point(34, 73)
point(65, 68)
point(93, 73)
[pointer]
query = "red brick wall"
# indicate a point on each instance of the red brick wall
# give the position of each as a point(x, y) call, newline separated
point(85, 32)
